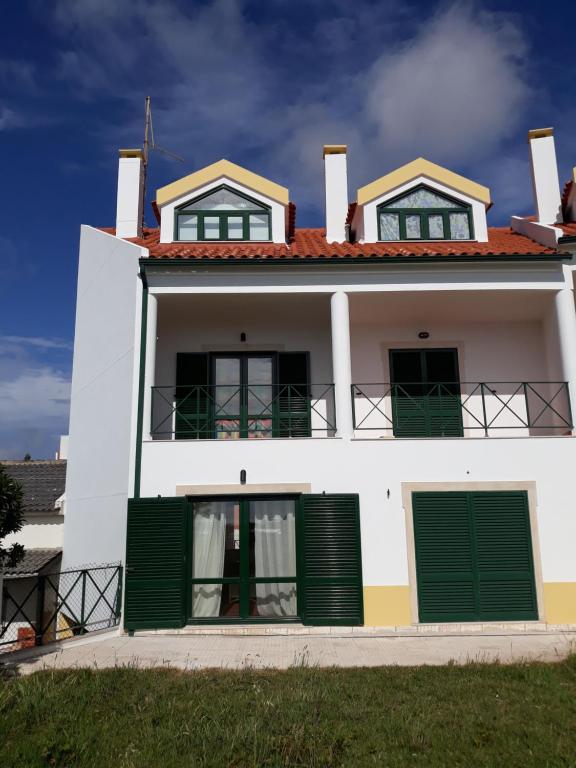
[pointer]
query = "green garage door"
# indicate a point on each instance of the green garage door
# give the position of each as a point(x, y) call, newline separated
point(474, 556)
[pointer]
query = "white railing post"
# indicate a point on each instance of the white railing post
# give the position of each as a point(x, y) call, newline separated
point(566, 320)
point(341, 363)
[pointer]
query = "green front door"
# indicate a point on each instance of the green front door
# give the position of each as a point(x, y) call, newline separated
point(474, 558)
point(425, 393)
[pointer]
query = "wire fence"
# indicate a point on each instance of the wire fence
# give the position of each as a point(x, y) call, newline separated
point(54, 606)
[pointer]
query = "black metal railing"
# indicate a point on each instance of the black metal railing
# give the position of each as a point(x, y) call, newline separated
point(54, 606)
point(222, 411)
point(458, 409)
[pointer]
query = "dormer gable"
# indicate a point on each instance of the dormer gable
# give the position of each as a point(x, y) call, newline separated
point(421, 201)
point(222, 202)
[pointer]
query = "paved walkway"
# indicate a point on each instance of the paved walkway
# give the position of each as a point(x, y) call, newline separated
point(199, 651)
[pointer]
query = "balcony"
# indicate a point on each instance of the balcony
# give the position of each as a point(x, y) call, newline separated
point(224, 412)
point(461, 409)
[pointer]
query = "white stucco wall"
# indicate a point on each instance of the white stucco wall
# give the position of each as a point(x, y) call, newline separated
point(277, 210)
point(104, 399)
point(371, 468)
point(42, 532)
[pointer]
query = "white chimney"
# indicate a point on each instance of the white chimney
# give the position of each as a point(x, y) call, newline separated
point(336, 192)
point(130, 200)
point(545, 181)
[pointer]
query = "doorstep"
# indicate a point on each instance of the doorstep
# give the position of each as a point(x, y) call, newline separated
point(415, 630)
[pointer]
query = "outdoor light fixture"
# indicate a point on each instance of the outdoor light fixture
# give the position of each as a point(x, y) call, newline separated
point(423, 335)
point(242, 336)
point(242, 477)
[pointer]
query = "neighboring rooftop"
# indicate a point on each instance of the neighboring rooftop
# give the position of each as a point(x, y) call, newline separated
point(311, 244)
point(33, 562)
point(43, 482)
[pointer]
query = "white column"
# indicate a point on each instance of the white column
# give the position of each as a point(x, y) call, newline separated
point(150, 370)
point(566, 319)
point(341, 363)
point(130, 195)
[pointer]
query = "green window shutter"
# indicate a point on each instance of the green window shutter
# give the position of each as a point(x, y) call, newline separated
point(444, 557)
point(193, 413)
point(506, 586)
point(294, 417)
point(474, 557)
point(155, 564)
point(330, 568)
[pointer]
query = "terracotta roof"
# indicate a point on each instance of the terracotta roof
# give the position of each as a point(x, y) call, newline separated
point(42, 483)
point(568, 228)
point(311, 244)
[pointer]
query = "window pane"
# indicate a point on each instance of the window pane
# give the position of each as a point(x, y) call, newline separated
point(422, 198)
point(235, 228)
point(459, 226)
point(216, 540)
point(212, 600)
point(272, 539)
point(413, 227)
point(259, 386)
point(273, 600)
point(259, 227)
point(211, 227)
point(227, 386)
point(389, 226)
point(227, 429)
point(436, 226)
point(223, 200)
point(259, 428)
point(187, 227)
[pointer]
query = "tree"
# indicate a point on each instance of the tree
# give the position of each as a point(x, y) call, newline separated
point(11, 518)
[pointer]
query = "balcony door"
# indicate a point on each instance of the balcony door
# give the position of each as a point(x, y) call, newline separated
point(243, 395)
point(425, 393)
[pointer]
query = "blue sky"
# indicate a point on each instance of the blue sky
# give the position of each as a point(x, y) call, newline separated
point(265, 85)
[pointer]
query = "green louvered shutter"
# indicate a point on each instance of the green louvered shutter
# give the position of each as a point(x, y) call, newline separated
point(155, 564)
point(193, 417)
point(294, 416)
point(330, 567)
point(506, 586)
point(444, 557)
point(474, 556)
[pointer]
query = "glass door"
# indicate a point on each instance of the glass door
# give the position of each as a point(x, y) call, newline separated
point(243, 395)
point(425, 393)
point(243, 560)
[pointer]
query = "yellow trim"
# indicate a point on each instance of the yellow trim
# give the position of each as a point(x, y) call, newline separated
point(560, 602)
point(131, 153)
point(540, 133)
point(387, 606)
point(215, 171)
point(422, 167)
point(573, 174)
point(334, 149)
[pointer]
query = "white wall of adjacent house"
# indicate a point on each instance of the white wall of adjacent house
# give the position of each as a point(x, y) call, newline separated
point(40, 532)
point(104, 399)
point(277, 210)
point(368, 229)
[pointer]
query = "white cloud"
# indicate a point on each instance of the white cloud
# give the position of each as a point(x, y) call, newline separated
point(38, 397)
point(35, 341)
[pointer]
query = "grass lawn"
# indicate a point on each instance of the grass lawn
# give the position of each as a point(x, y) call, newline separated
point(476, 715)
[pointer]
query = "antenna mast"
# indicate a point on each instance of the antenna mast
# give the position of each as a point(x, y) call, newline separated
point(149, 144)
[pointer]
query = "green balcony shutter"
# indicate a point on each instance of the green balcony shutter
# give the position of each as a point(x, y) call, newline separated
point(294, 418)
point(330, 569)
point(474, 557)
point(193, 415)
point(506, 586)
point(155, 567)
point(444, 557)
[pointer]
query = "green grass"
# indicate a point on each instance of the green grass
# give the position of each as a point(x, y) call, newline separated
point(475, 715)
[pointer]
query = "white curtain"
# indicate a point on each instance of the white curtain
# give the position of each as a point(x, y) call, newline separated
point(275, 555)
point(208, 556)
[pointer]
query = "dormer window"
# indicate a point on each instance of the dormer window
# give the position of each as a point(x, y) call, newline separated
point(424, 214)
point(222, 214)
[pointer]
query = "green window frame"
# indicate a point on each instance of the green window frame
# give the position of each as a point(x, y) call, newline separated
point(423, 216)
point(223, 219)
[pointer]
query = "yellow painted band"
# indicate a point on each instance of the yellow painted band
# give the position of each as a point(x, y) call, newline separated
point(387, 606)
point(334, 149)
point(215, 171)
point(540, 133)
point(131, 153)
point(560, 602)
point(422, 167)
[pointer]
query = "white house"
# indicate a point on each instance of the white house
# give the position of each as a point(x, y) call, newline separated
point(364, 424)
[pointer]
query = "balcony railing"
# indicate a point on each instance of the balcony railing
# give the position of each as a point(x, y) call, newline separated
point(459, 409)
point(225, 412)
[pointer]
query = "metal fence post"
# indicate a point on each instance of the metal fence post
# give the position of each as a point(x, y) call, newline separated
point(484, 410)
point(83, 603)
point(38, 635)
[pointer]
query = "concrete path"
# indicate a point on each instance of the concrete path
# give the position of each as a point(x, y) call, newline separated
point(282, 651)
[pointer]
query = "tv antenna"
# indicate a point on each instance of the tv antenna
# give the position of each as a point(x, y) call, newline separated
point(149, 144)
